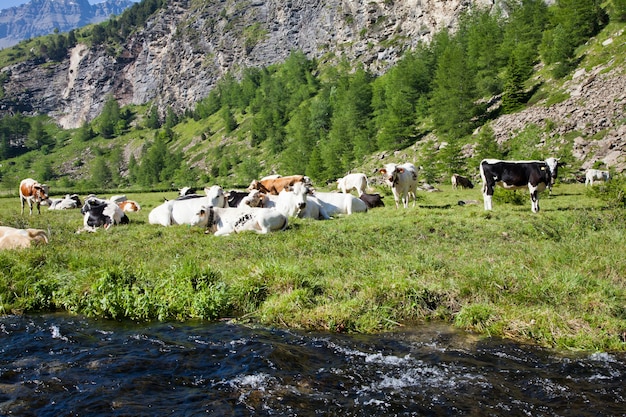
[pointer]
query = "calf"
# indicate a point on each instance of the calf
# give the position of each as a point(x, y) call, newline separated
point(460, 181)
point(101, 213)
point(224, 221)
point(536, 175)
point(596, 175)
point(129, 206)
point(33, 192)
point(372, 200)
point(12, 238)
point(403, 182)
point(351, 182)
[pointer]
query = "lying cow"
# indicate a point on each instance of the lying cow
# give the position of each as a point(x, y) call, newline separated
point(296, 201)
point(403, 182)
point(12, 238)
point(186, 191)
point(351, 182)
point(596, 175)
point(129, 206)
point(252, 198)
point(182, 210)
point(33, 192)
point(224, 221)
point(512, 175)
point(338, 203)
point(372, 200)
point(460, 181)
point(275, 185)
point(98, 212)
point(70, 201)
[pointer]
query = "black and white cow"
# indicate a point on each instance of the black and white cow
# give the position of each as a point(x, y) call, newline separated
point(512, 175)
point(98, 212)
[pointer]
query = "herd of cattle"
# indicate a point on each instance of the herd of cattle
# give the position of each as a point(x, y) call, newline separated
point(268, 203)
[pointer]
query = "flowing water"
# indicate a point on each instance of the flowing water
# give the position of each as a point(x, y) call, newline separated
point(60, 365)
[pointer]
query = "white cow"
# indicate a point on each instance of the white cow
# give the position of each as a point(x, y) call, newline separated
point(70, 201)
point(403, 182)
point(224, 221)
point(296, 201)
point(339, 203)
point(351, 182)
point(596, 175)
point(181, 211)
point(12, 238)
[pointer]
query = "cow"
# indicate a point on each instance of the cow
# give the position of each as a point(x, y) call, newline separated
point(181, 210)
point(275, 185)
point(186, 191)
point(596, 175)
point(33, 192)
point(224, 221)
point(372, 200)
point(460, 181)
point(70, 201)
point(248, 198)
point(351, 182)
point(296, 201)
point(403, 182)
point(340, 203)
point(12, 238)
point(98, 212)
point(512, 175)
point(129, 206)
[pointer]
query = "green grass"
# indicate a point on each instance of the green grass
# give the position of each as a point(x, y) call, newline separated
point(556, 278)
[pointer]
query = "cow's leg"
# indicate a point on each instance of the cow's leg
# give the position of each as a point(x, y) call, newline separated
point(396, 197)
point(487, 195)
point(534, 198)
point(22, 203)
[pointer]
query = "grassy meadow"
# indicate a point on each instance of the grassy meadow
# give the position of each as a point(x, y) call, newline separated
point(556, 278)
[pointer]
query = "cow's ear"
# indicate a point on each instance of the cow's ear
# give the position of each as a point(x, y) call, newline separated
point(382, 171)
point(202, 212)
point(400, 170)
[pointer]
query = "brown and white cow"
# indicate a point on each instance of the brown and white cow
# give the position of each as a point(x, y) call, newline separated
point(33, 192)
point(129, 206)
point(461, 181)
point(276, 185)
point(12, 238)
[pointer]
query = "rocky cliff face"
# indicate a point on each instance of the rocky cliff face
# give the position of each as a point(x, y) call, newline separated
point(182, 51)
point(42, 17)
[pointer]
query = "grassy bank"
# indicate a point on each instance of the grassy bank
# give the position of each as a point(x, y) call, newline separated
point(556, 278)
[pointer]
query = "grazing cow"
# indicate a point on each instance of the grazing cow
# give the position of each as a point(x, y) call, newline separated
point(372, 200)
point(181, 210)
point(512, 175)
point(224, 221)
point(403, 182)
point(129, 206)
point(12, 238)
point(340, 203)
point(70, 201)
point(596, 175)
point(460, 181)
point(33, 192)
point(351, 182)
point(98, 212)
point(275, 185)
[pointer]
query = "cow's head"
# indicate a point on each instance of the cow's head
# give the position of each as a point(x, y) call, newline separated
point(292, 199)
point(40, 193)
point(201, 218)
point(390, 173)
point(553, 165)
point(216, 196)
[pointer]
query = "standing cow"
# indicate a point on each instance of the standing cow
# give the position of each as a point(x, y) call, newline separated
point(403, 182)
point(512, 175)
point(460, 181)
point(596, 175)
point(33, 192)
point(351, 182)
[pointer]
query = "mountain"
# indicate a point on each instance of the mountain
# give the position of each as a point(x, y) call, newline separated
point(43, 17)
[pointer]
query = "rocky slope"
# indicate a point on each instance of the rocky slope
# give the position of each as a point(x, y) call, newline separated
point(42, 17)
